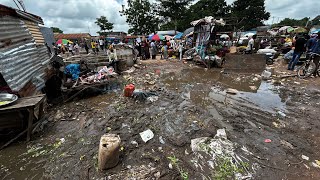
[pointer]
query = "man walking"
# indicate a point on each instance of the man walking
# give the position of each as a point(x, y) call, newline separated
point(298, 50)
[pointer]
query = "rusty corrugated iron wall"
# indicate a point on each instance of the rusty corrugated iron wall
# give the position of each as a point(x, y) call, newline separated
point(22, 61)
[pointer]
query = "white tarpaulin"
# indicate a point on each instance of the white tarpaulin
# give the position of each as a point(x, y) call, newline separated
point(209, 20)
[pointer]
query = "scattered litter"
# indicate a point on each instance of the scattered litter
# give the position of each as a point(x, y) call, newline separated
point(305, 157)
point(157, 175)
point(267, 141)
point(306, 166)
point(266, 75)
point(161, 140)
point(143, 96)
point(296, 83)
point(287, 144)
point(221, 133)
point(253, 88)
point(275, 124)
point(146, 135)
point(131, 70)
point(207, 150)
point(282, 114)
point(232, 91)
point(151, 82)
point(318, 162)
point(153, 98)
point(134, 143)
point(315, 165)
point(62, 140)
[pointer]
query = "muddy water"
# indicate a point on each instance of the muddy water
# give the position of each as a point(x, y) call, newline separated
point(17, 163)
point(205, 87)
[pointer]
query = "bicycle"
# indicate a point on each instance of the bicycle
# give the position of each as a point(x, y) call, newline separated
point(308, 67)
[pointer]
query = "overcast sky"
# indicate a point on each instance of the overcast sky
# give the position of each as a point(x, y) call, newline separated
point(78, 16)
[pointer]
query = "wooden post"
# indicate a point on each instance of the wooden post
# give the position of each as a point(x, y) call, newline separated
point(30, 122)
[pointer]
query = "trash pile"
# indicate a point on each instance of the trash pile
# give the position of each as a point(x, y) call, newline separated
point(218, 155)
point(101, 76)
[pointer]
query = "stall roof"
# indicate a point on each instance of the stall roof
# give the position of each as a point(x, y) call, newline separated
point(72, 36)
point(170, 32)
point(8, 11)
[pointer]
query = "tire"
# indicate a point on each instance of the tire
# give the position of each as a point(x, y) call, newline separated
point(306, 70)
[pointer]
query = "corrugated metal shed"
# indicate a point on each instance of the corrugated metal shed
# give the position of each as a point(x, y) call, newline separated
point(47, 35)
point(21, 61)
point(35, 32)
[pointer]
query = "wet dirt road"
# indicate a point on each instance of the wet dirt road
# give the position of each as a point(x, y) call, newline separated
point(192, 103)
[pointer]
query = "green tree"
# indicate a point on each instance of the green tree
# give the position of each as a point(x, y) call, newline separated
point(56, 30)
point(203, 8)
point(104, 25)
point(293, 22)
point(316, 21)
point(173, 11)
point(249, 13)
point(141, 17)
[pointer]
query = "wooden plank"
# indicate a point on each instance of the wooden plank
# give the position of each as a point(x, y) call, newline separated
point(24, 103)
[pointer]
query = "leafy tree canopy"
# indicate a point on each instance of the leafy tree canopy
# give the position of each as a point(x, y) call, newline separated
point(56, 30)
point(249, 13)
point(141, 16)
point(104, 25)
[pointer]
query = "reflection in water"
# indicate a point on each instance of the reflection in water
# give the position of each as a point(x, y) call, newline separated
point(203, 88)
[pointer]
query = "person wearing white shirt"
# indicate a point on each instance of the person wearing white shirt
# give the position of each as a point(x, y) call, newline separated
point(180, 51)
point(250, 46)
point(101, 43)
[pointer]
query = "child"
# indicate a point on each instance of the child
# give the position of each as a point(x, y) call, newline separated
point(164, 51)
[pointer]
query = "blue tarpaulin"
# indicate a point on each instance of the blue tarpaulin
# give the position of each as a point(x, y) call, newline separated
point(178, 36)
point(315, 31)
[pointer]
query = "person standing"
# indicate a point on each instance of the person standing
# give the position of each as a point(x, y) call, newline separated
point(76, 49)
point(250, 46)
point(165, 51)
point(55, 49)
point(86, 47)
point(97, 46)
point(49, 49)
point(180, 50)
point(316, 49)
point(93, 46)
point(101, 43)
point(70, 47)
point(298, 50)
point(153, 49)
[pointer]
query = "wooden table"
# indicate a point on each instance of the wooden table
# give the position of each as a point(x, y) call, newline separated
point(29, 104)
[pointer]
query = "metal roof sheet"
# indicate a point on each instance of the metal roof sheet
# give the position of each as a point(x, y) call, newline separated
point(21, 61)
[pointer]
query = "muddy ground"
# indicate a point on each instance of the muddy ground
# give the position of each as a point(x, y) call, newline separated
point(192, 103)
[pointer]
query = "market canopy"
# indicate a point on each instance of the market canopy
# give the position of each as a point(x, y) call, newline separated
point(178, 36)
point(188, 31)
point(287, 29)
point(156, 37)
point(300, 30)
point(168, 38)
point(315, 31)
point(64, 41)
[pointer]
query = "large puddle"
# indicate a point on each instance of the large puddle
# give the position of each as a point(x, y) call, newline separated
point(205, 87)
